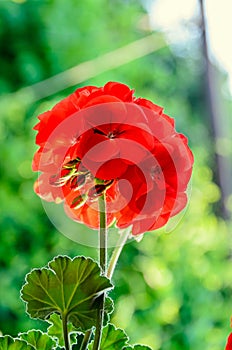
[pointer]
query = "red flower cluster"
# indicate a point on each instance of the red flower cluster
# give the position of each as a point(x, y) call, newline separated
point(104, 140)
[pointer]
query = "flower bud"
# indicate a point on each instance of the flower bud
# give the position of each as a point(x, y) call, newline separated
point(77, 182)
point(79, 201)
point(98, 189)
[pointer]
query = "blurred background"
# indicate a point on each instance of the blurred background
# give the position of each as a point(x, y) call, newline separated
point(174, 288)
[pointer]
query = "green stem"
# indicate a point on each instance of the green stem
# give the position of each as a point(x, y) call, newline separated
point(102, 234)
point(65, 332)
point(99, 324)
point(86, 340)
point(117, 251)
point(103, 264)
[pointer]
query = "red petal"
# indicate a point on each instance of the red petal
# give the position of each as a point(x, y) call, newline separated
point(149, 224)
point(120, 90)
point(229, 343)
point(87, 214)
point(46, 191)
point(108, 111)
point(101, 99)
point(148, 104)
point(109, 170)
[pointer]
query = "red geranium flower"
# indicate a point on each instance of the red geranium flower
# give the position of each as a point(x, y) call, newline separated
point(105, 140)
point(229, 343)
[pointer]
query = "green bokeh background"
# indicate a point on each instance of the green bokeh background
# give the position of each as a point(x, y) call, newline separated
point(173, 289)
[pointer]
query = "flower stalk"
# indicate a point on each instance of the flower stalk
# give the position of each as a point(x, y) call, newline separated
point(124, 234)
point(86, 340)
point(102, 234)
point(103, 264)
point(65, 332)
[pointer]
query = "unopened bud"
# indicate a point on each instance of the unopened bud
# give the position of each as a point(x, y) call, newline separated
point(79, 201)
point(58, 181)
point(77, 182)
point(99, 189)
point(72, 163)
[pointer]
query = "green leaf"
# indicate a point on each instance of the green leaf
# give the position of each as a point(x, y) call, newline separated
point(112, 338)
point(9, 343)
point(55, 330)
point(137, 347)
point(79, 339)
point(108, 309)
point(68, 287)
point(38, 339)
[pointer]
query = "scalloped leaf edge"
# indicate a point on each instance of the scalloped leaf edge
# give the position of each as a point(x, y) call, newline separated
point(24, 342)
point(115, 329)
point(41, 333)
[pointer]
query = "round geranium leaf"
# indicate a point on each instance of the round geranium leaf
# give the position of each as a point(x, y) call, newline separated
point(68, 287)
point(38, 339)
point(112, 338)
point(9, 343)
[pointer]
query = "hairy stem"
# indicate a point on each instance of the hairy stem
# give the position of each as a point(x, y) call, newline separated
point(124, 234)
point(102, 234)
point(103, 264)
point(65, 332)
point(99, 324)
point(86, 340)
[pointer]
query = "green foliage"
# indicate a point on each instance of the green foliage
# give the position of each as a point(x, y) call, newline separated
point(78, 341)
point(112, 338)
point(116, 339)
point(38, 339)
point(137, 347)
point(69, 287)
point(55, 330)
point(8, 343)
point(108, 310)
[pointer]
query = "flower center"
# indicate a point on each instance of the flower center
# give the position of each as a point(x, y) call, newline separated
point(111, 134)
